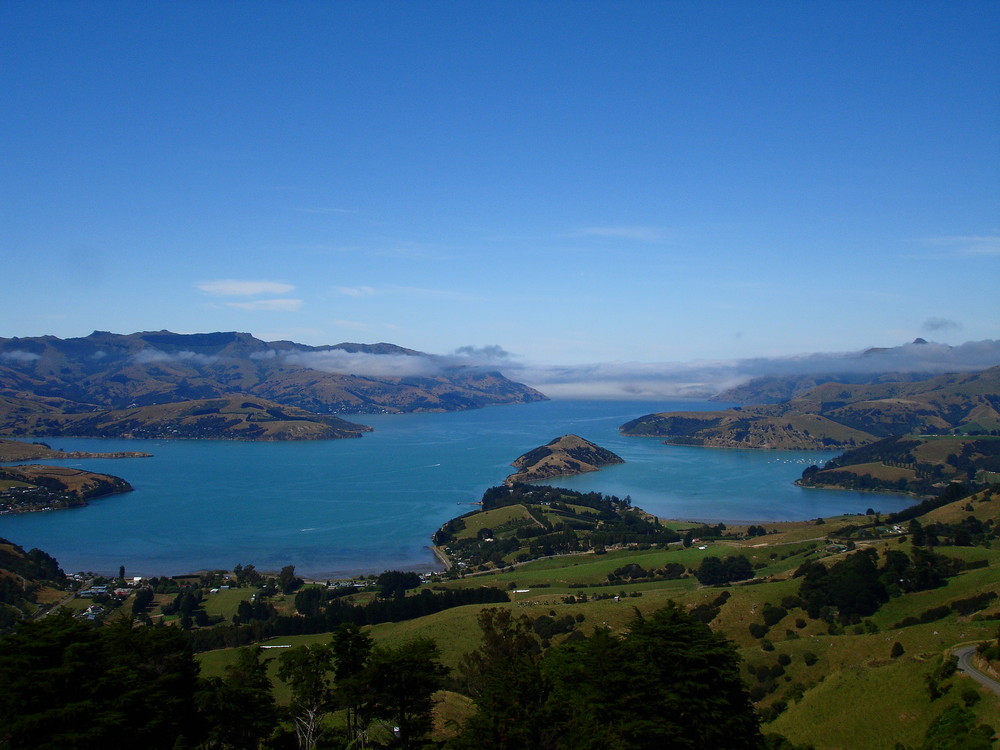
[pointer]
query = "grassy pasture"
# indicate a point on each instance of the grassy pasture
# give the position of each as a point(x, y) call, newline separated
point(494, 519)
point(225, 602)
point(854, 696)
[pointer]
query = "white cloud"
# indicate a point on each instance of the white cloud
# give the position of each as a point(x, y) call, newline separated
point(18, 355)
point(364, 364)
point(147, 356)
point(655, 380)
point(237, 288)
point(268, 305)
point(489, 355)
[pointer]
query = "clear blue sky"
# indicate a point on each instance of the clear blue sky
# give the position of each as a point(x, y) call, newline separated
point(575, 182)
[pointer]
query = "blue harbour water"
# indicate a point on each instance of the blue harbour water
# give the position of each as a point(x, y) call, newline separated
point(339, 507)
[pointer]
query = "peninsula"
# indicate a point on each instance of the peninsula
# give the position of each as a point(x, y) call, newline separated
point(227, 418)
point(839, 415)
point(15, 450)
point(32, 488)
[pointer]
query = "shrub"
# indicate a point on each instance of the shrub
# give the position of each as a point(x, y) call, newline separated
point(773, 615)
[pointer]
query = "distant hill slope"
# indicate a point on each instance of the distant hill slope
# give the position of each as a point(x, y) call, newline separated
point(113, 371)
point(15, 450)
point(838, 415)
point(229, 418)
point(22, 575)
point(920, 465)
point(34, 487)
point(909, 363)
point(563, 456)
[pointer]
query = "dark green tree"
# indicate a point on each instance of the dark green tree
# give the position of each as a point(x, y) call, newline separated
point(394, 583)
point(955, 728)
point(239, 709)
point(65, 684)
point(287, 580)
point(308, 671)
point(402, 681)
point(351, 649)
point(505, 680)
point(669, 681)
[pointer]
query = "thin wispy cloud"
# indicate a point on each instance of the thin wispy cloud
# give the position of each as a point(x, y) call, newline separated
point(356, 291)
point(424, 292)
point(352, 324)
point(268, 305)
point(940, 324)
point(966, 245)
point(240, 288)
point(635, 233)
point(323, 210)
point(147, 356)
point(365, 364)
point(666, 380)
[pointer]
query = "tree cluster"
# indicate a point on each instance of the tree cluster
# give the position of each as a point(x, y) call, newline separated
point(325, 615)
point(669, 681)
point(714, 571)
point(857, 586)
point(65, 684)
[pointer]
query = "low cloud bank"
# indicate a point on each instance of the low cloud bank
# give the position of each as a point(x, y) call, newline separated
point(640, 380)
point(19, 355)
point(657, 380)
point(619, 380)
point(147, 356)
point(367, 365)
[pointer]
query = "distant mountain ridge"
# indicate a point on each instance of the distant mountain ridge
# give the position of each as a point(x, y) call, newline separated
point(784, 379)
point(839, 415)
point(121, 371)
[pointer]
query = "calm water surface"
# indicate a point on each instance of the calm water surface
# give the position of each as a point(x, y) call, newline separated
point(345, 506)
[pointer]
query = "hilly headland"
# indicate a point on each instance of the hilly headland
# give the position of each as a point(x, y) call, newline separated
point(16, 450)
point(561, 457)
point(224, 418)
point(839, 415)
point(33, 487)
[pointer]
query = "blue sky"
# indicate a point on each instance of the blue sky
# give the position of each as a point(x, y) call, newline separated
point(584, 182)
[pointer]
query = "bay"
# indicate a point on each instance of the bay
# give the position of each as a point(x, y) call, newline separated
point(343, 507)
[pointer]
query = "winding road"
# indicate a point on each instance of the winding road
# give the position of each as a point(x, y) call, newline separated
point(964, 655)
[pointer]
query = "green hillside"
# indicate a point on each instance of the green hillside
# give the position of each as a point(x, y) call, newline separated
point(226, 418)
point(839, 630)
point(921, 465)
point(839, 415)
point(822, 671)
